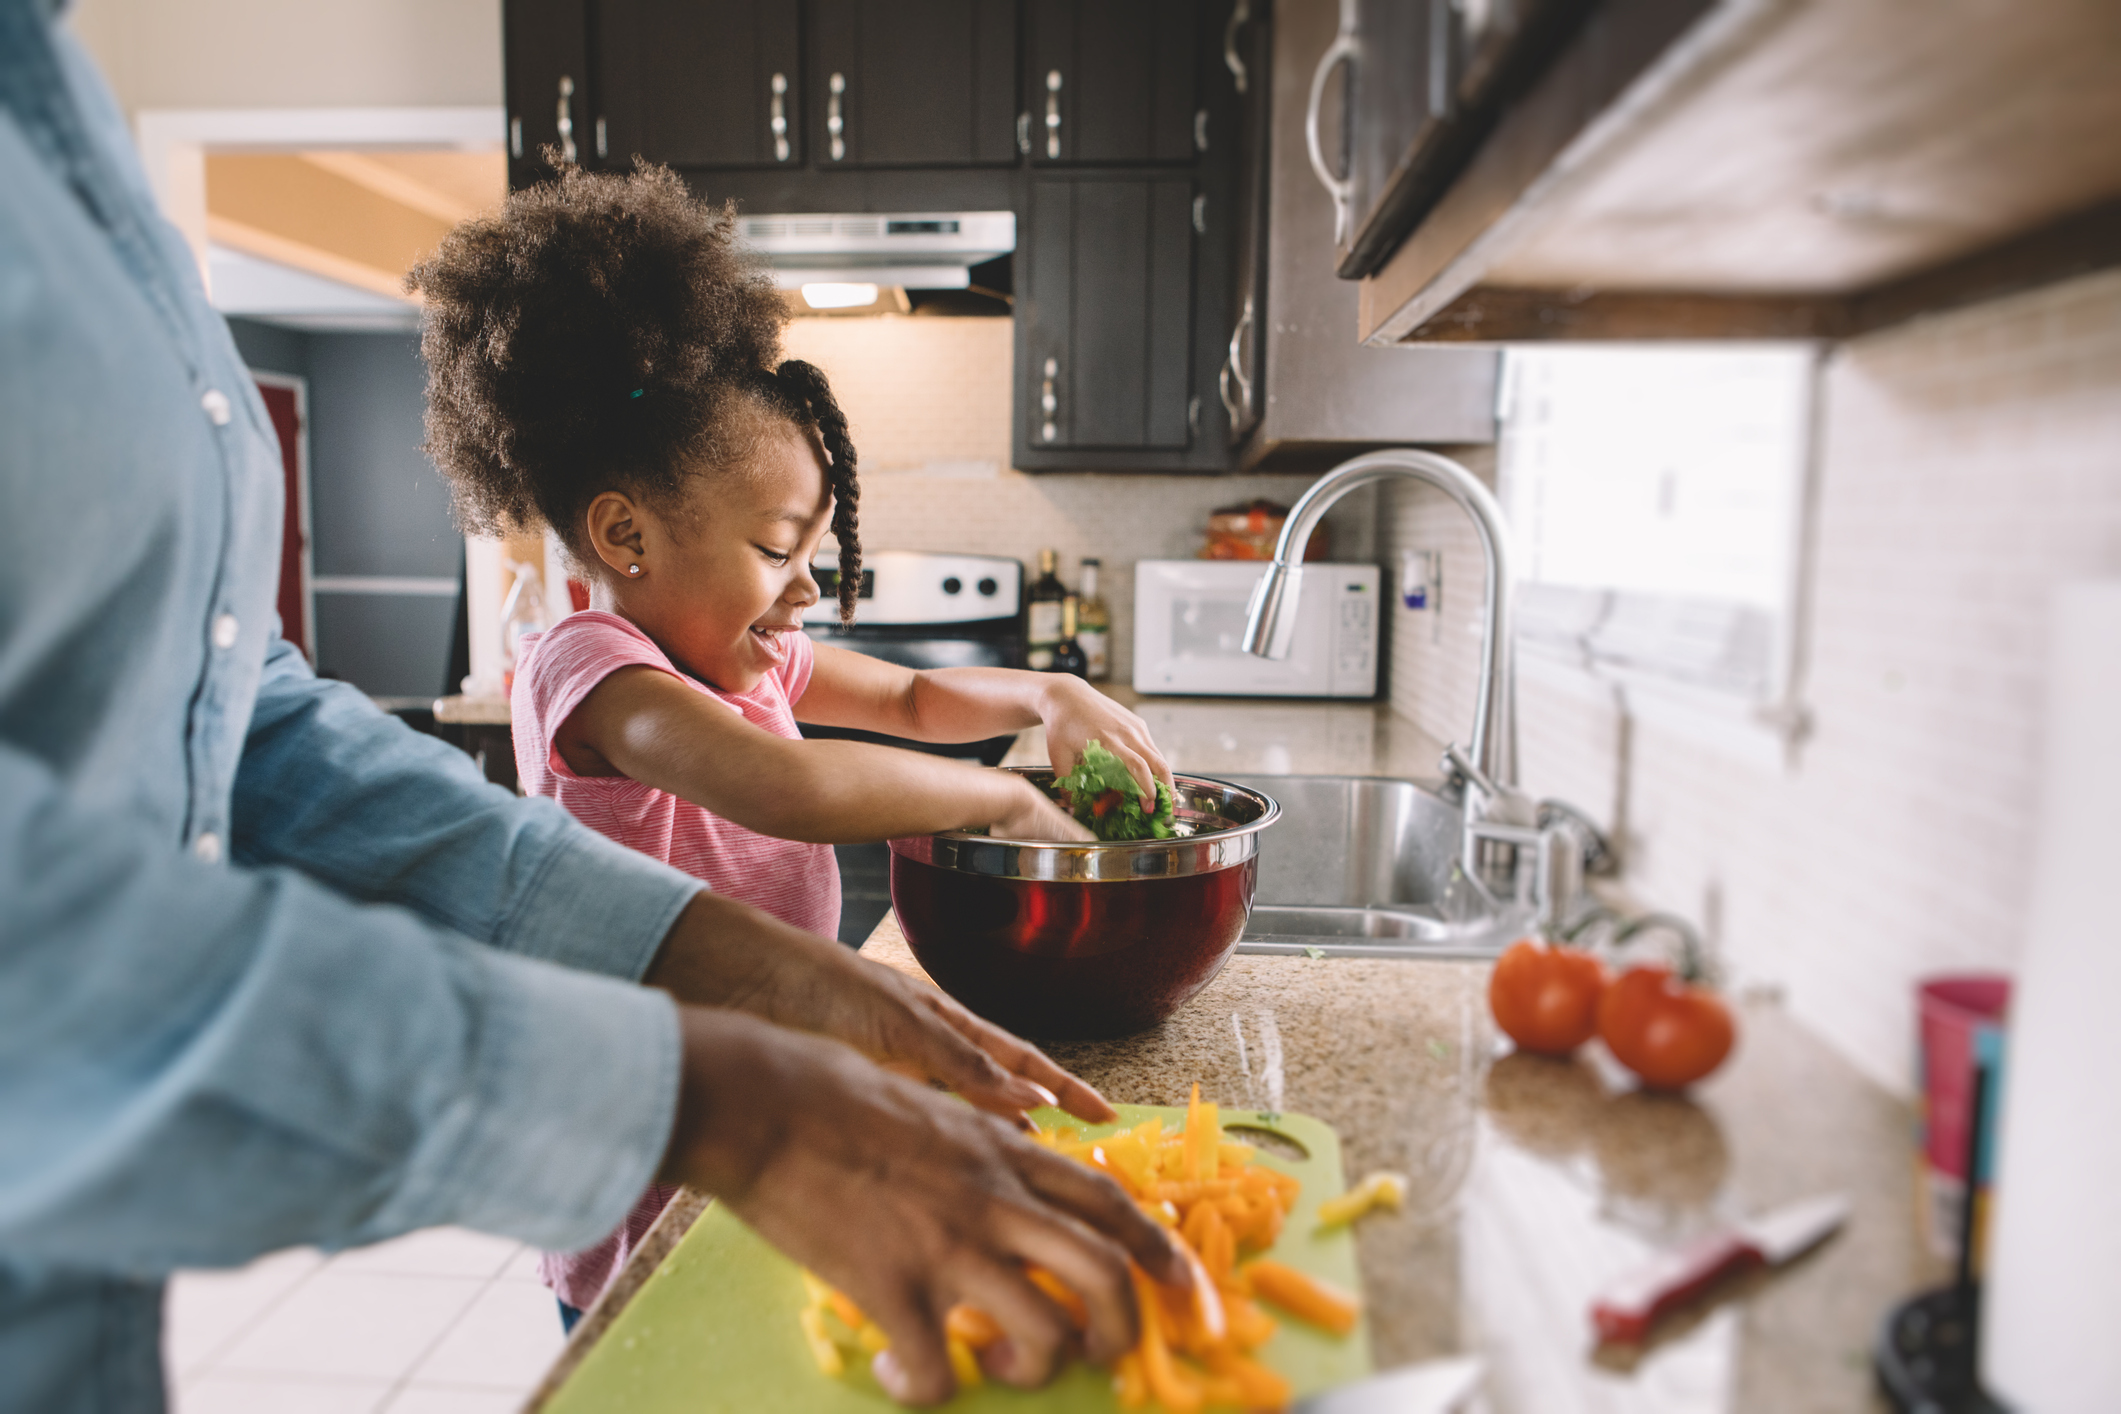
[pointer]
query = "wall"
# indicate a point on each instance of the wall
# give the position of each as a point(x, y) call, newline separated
point(378, 507)
point(295, 53)
point(928, 403)
point(1969, 464)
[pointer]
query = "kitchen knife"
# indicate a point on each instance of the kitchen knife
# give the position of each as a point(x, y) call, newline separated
point(1631, 1305)
point(1432, 1387)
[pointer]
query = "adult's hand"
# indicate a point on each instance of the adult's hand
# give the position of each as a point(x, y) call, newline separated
point(724, 953)
point(908, 1201)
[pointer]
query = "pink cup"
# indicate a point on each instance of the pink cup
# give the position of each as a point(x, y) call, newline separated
point(1960, 1023)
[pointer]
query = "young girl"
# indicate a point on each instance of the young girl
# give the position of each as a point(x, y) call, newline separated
point(603, 360)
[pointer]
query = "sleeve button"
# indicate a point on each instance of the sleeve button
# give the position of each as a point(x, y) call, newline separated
point(217, 407)
point(225, 630)
point(207, 848)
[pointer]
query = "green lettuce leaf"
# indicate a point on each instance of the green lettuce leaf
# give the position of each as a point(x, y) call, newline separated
point(1103, 796)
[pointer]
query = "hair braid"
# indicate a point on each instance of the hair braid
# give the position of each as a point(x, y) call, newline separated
point(804, 387)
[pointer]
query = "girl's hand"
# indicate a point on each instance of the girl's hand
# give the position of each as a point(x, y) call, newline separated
point(1075, 712)
point(1034, 816)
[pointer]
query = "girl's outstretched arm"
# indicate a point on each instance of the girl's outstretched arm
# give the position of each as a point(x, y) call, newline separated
point(971, 704)
point(643, 723)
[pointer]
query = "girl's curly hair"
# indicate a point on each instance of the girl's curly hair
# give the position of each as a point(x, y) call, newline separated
point(605, 332)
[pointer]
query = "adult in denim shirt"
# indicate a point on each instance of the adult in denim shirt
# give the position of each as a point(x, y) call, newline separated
point(275, 970)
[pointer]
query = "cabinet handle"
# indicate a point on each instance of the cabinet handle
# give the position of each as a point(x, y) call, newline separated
point(1053, 88)
point(1200, 214)
point(566, 119)
point(1240, 16)
point(1023, 133)
point(1234, 375)
point(603, 138)
point(834, 123)
point(515, 137)
point(1049, 403)
point(1200, 130)
point(1343, 50)
point(777, 117)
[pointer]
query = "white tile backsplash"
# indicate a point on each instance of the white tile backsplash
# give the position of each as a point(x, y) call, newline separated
point(1970, 463)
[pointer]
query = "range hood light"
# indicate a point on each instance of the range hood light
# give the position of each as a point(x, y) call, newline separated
point(838, 296)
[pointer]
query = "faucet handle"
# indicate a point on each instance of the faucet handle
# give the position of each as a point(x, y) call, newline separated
point(1499, 804)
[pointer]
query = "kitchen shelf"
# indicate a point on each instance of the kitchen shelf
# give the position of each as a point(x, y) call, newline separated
point(1773, 169)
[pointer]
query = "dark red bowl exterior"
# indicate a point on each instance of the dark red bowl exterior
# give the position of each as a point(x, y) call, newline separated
point(1071, 960)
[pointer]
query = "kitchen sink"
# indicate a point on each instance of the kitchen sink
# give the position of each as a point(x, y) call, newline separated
point(1367, 866)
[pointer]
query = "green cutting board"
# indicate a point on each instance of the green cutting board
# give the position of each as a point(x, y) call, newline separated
point(715, 1328)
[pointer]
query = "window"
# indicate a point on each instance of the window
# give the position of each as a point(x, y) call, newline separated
point(1656, 495)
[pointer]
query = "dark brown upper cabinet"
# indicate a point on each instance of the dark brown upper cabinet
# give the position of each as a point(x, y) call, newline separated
point(913, 83)
point(1105, 314)
point(545, 62)
point(1111, 81)
point(699, 83)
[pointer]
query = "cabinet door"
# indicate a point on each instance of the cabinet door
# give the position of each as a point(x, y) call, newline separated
point(1104, 307)
point(699, 83)
point(913, 83)
point(1111, 80)
point(1399, 95)
point(545, 67)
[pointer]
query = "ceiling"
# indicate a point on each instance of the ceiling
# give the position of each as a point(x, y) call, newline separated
point(322, 239)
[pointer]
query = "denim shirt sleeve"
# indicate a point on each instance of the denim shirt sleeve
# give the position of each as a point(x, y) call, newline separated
point(343, 792)
point(204, 1063)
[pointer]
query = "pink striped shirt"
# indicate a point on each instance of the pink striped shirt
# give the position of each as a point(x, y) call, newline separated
point(797, 883)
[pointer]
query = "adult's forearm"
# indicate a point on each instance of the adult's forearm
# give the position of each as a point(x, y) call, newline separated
point(351, 797)
point(206, 1062)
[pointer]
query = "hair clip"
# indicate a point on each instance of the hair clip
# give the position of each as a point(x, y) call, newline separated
point(636, 392)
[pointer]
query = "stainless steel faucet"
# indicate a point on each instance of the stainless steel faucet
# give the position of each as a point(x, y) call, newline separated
point(1270, 626)
point(1511, 850)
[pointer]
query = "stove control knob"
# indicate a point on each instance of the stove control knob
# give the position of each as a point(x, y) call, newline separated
point(987, 587)
point(952, 585)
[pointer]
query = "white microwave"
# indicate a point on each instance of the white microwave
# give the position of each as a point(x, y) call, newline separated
point(1189, 631)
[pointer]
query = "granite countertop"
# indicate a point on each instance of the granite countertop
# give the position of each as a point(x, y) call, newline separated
point(1532, 1182)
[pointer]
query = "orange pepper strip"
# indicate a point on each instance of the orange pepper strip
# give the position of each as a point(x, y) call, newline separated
point(1249, 1326)
point(1218, 1249)
point(965, 1365)
point(1261, 1387)
point(1192, 1131)
point(1305, 1297)
point(844, 1307)
point(971, 1325)
point(1078, 1312)
point(1207, 1299)
point(1168, 1384)
point(1128, 1380)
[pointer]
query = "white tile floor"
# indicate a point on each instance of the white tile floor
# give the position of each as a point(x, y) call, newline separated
point(437, 1322)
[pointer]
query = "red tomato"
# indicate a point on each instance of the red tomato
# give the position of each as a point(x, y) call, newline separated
point(1669, 1032)
point(1546, 998)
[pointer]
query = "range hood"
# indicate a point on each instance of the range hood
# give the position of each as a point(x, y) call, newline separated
point(922, 250)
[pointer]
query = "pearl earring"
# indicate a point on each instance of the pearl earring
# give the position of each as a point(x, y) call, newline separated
point(633, 569)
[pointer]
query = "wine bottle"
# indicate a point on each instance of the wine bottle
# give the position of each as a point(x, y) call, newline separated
point(1043, 617)
point(1093, 623)
point(1068, 654)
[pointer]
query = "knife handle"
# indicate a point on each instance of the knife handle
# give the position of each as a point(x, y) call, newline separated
point(1630, 1306)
